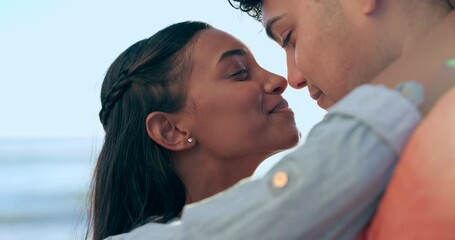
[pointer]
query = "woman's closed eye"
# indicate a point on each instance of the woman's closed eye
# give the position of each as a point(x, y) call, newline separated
point(241, 75)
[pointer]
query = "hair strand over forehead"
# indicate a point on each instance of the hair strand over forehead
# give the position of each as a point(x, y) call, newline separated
point(251, 7)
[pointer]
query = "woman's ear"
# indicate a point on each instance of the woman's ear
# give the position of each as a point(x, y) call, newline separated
point(162, 128)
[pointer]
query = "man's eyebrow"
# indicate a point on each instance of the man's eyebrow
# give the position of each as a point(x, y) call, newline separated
point(269, 26)
point(232, 52)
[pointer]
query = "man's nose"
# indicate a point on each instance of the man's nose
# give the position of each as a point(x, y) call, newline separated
point(295, 76)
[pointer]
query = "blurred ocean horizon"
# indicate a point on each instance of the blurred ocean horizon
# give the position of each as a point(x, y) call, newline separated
point(44, 187)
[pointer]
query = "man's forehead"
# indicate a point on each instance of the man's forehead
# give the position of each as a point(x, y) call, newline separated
point(272, 8)
point(268, 25)
point(268, 9)
point(272, 12)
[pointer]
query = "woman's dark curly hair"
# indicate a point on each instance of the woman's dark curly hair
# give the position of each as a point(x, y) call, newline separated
point(251, 7)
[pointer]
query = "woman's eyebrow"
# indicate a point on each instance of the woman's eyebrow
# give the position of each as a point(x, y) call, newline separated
point(232, 52)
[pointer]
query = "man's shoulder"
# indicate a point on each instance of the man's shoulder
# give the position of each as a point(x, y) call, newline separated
point(152, 231)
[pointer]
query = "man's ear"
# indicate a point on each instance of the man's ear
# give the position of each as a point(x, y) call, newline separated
point(162, 129)
point(365, 7)
point(368, 6)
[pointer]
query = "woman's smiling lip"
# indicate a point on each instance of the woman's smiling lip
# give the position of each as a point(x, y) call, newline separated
point(282, 106)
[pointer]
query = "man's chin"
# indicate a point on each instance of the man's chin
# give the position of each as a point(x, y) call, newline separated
point(323, 102)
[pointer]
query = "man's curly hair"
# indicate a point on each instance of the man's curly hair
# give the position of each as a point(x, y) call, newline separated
point(251, 7)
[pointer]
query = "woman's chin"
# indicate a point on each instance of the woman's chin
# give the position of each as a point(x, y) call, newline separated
point(292, 140)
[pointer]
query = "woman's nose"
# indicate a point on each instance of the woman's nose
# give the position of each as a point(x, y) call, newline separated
point(275, 84)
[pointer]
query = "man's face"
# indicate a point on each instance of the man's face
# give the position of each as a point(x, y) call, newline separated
point(331, 45)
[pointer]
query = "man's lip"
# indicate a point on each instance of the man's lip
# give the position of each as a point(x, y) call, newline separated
point(316, 95)
point(282, 105)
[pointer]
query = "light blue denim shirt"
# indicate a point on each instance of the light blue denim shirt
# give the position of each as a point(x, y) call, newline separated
point(328, 188)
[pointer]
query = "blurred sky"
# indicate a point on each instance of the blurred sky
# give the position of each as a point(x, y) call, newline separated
point(54, 54)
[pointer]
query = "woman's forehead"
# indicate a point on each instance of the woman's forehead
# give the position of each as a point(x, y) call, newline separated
point(210, 45)
point(216, 41)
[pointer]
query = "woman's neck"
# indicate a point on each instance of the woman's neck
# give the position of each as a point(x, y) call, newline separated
point(205, 176)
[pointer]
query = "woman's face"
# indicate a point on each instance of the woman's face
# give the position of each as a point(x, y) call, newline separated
point(235, 106)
